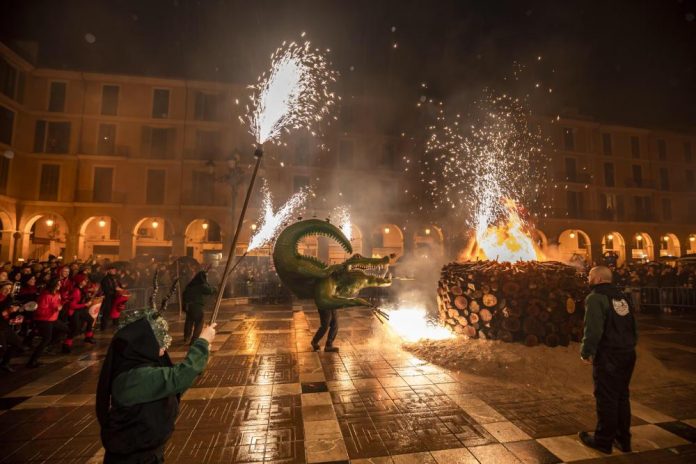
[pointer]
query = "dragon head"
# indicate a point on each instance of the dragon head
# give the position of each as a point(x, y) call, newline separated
point(375, 267)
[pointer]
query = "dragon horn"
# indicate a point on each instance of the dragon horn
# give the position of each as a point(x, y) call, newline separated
point(155, 288)
point(172, 289)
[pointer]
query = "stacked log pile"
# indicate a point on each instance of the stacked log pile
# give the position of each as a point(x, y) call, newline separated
point(530, 302)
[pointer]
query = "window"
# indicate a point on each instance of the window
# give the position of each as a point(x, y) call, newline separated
point(388, 155)
point(574, 200)
point(664, 179)
point(345, 153)
point(635, 147)
point(52, 137)
point(571, 169)
point(203, 188)
point(661, 149)
point(568, 139)
point(158, 142)
point(609, 174)
point(160, 103)
point(637, 175)
point(103, 184)
point(302, 152)
point(606, 144)
point(56, 99)
point(607, 206)
point(6, 125)
point(106, 145)
point(207, 107)
point(690, 184)
point(110, 100)
point(48, 185)
point(8, 78)
point(299, 182)
point(207, 144)
point(687, 152)
point(643, 208)
point(155, 187)
point(347, 118)
point(666, 209)
point(4, 174)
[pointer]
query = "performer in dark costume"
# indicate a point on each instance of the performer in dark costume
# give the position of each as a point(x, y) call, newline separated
point(139, 387)
point(194, 300)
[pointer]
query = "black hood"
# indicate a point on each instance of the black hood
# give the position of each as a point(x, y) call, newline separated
point(609, 290)
point(135, 345)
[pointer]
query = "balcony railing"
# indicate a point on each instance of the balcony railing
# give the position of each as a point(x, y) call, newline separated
point(639, 183)
point(578, 178)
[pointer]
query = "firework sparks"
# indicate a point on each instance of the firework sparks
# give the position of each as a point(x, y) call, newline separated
point(343, 215)
point(412, 324)
point(272, 222)
point(473, 165)
point(294, 94)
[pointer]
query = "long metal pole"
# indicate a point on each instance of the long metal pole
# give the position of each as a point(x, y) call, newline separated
point(258, 153)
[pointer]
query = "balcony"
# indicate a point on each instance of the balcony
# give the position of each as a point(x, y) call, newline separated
point(578, 178)
point(639, 183)
point(87, 196)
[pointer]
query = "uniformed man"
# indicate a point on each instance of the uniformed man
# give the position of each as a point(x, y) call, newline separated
point(609, 345)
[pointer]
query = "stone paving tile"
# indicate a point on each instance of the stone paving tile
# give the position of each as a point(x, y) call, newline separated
point(266, 397)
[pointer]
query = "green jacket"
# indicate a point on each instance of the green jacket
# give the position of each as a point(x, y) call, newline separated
point(597, 307)
point(195, 295)
point(146, 384)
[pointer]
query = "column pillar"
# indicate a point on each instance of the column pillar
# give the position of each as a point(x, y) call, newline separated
point(7, 249)
point(179, 245)
point(70, 247)
point(126, 246)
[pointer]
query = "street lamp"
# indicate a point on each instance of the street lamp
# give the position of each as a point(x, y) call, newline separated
point(572, 234)
point(49, 222)
point(204, 226)
point(427, 231)
point(386, 230)
point(155, 224)
point(102, 223)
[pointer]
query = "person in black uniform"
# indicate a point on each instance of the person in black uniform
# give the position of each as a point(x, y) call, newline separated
point(609, 345)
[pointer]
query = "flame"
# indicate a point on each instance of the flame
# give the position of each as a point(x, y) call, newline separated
point(412, 324)
point(509, 240)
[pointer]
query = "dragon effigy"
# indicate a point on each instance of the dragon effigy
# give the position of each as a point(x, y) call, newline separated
point(331, 286)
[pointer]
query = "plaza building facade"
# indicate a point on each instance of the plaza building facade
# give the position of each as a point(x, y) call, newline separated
point(106, 165)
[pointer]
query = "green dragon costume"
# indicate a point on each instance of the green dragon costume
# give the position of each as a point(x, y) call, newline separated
point(331, 287)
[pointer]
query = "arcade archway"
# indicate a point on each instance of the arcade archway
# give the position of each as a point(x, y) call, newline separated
point(670, 246)
point(336, 253)
point(643, 247)
point(387, 239)
point(203, 240)
point(153, 237)
point(614, 249)
point(99, 237)
point(429, 242)
point(46, 235)
point(574, 246)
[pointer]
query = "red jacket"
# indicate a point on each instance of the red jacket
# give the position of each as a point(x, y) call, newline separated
point(75, 301)
point(48, 306)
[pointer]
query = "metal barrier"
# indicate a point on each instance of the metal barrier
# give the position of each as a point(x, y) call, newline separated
point(662, 298)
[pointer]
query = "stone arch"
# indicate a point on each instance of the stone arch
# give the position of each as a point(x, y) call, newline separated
point(100, 237)
point(387, 238)
point(153, 236)
point(429, 242)
point(44, 234)
point(614, 244)
point(203, 239)
point(7, 241)
point(574, 246)
point(670, 245)
point(643, 248)
point(336, 253)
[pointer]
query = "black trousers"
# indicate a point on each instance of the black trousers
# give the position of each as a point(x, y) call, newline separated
point(79, 319)
point(49, 331)
point(611, 372)
point(194, 322)
point(329, 321)
point(105, 310)
point(11, 344)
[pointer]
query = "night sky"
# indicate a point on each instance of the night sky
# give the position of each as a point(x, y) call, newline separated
point(628, 61)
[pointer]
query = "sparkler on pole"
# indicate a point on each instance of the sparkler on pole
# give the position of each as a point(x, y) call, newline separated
point(294, 94)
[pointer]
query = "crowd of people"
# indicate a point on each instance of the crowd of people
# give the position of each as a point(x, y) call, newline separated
point(654, 274)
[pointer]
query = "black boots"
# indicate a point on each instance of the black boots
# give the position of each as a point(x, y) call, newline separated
point(588, 440)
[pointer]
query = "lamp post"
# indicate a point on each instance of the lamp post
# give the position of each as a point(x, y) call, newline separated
point(258, 154)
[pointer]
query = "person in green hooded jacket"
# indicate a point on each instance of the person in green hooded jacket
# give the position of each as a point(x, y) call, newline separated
point(194, 297)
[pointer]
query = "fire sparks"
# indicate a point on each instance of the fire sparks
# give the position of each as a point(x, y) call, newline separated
point(472, 163)
point(270, 222)
point(509, 240)
point(294, 94)
point(411, 323)
point(343, 215)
